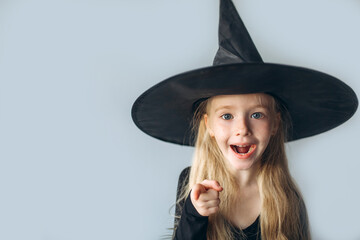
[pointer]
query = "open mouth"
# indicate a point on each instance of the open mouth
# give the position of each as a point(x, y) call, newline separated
point(244, 150)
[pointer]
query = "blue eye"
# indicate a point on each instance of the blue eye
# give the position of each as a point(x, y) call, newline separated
point(227, 116)
point(257, 115)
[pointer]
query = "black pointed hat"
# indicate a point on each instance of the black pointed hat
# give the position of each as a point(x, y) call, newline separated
point(315, 101)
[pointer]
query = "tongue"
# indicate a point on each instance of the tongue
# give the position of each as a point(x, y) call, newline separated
point(242, 149)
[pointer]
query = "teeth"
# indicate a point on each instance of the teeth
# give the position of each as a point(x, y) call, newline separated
point(251, 147)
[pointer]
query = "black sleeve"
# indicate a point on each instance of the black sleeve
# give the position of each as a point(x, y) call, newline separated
point(182, 182)
point(191, 226)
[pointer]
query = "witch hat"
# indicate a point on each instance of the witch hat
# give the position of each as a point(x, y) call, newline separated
point(316, 102)
point(235, 43)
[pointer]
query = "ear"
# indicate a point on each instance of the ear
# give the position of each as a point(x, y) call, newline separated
point(276, 124)
point(207, 126)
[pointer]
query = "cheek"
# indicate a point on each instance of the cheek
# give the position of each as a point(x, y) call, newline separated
point(219, 128)
point(221, 136)
point(224, 130)
point(264, 130)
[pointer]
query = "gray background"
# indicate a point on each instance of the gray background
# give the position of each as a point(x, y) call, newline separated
point(72, 163)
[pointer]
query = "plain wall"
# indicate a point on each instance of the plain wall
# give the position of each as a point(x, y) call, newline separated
point(72, 163)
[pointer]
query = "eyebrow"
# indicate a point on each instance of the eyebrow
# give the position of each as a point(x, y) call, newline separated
point(230, 107)
point(223, 107)
point(261, 106)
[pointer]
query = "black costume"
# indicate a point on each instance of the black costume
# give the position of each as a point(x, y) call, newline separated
point(193, 226)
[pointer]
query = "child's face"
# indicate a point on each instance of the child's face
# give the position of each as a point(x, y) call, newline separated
point(242, 126)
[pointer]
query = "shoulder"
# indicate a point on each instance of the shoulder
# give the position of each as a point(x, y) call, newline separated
point(184, 175)
point(183, 180)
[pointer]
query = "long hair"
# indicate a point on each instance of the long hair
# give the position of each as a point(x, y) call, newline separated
point(283, 214)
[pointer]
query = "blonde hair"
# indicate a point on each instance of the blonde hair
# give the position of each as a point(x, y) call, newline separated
point(283, 214)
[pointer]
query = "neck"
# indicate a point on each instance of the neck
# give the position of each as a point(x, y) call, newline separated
point(248, 177)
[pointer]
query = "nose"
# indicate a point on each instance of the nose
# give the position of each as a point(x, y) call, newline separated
point(242, 127)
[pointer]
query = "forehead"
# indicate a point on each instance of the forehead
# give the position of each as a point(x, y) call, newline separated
point(246, 100)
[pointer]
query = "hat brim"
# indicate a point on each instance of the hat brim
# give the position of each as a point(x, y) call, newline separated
point(316, 101)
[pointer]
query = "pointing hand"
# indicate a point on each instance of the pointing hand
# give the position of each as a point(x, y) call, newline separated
point(205, 197)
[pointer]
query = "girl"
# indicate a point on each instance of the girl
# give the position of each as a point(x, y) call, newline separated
point(242, 111)
point(240, 143)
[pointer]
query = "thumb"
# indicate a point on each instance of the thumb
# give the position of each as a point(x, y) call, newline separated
point(212, 184)
point(205, 185)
